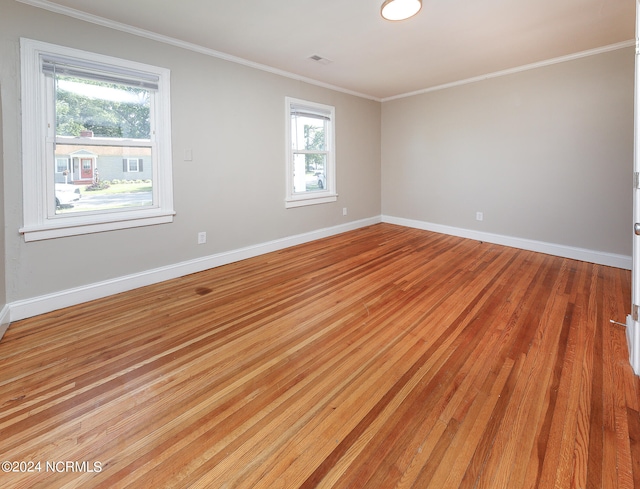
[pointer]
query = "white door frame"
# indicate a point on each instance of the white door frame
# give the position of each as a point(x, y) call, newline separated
point(633, 319)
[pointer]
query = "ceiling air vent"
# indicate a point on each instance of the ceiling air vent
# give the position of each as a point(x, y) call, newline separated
point(320, 59)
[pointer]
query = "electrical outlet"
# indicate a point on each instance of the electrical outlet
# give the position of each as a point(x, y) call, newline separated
point(479, 216)
point(202, 237)
point(344, 211)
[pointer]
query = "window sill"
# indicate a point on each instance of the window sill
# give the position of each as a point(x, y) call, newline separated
point(308, 200)
point(59, 228)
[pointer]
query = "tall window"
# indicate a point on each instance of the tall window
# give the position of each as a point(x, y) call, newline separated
point(311, 175)
point(92, 111)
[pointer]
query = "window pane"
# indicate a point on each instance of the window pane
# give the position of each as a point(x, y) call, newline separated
point(103, 177)
point(104, 109)
point(309, 172)
point(308, 133)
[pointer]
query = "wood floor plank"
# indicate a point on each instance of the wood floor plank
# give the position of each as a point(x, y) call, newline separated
point(583, 411)
point(385, 357)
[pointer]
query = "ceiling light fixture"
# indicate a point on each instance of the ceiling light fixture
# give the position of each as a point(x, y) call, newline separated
point(400, 9)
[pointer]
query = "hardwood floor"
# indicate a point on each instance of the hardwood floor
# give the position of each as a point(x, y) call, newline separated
point(385, 357)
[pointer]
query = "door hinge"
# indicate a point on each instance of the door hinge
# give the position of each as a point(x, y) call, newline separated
point(634, 312)
point(636, 180)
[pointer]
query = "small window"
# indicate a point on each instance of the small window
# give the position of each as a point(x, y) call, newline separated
point(92, 112)
point(62, 165)
point(311, 175)
point(130, 165)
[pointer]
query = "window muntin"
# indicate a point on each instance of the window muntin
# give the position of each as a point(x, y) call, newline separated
point(310, 153)
point(93, 110)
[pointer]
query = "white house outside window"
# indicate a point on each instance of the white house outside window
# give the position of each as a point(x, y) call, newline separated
point(311, 172)
point(92, 112)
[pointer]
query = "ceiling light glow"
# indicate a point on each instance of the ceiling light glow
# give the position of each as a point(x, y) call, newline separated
point(400, 9)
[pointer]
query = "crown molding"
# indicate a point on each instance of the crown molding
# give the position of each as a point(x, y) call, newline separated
point(517, 69)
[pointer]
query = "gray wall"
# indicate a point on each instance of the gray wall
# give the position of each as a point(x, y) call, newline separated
point(231, 117)
point(545, 154)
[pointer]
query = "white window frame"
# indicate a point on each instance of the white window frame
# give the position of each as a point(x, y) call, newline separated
point(329, 193)
point(40, 219)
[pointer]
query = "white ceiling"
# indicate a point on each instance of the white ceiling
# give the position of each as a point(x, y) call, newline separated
point(448, 41)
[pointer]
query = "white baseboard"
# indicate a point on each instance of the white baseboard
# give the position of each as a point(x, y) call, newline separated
point(591, 256)
point(4, 319)
point(46, 303)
